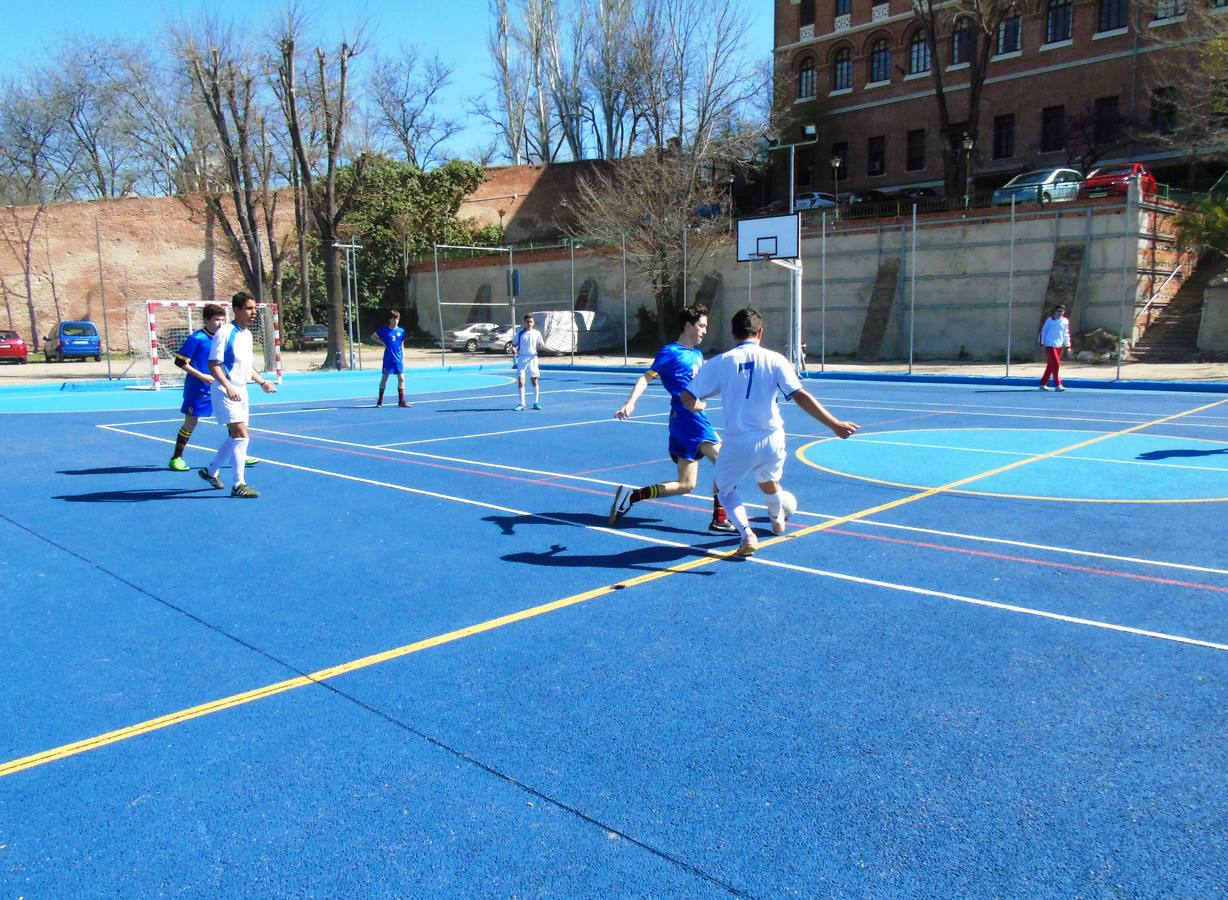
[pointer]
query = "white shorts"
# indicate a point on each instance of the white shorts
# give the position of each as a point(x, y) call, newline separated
point(528, 367)
point(227, 411)
point(758, 453)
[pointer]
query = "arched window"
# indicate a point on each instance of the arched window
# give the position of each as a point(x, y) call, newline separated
point(805, 80)
point(1059, 15)
point(918, 55)
point(963, 43)
point(842, 70)
point(880, 61)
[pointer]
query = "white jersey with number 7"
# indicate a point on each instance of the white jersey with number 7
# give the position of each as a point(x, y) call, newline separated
point(749, 378)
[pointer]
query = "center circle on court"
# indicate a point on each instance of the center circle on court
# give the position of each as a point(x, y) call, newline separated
point(1127, 468)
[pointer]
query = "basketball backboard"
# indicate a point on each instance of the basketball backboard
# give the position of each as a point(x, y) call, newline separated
point(769, 237)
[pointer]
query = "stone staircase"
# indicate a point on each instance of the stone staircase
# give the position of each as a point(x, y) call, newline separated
point(1172, 334)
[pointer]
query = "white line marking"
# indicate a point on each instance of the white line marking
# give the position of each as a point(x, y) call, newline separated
point(887, 585)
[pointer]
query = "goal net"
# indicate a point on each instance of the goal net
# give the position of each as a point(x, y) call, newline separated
point(171, 321)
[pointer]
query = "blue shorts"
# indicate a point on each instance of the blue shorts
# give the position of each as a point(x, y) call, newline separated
point(199, 405)
point(687, 430)
point(396, 367)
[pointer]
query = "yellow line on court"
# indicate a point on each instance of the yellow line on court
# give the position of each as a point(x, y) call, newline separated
point(122, 734)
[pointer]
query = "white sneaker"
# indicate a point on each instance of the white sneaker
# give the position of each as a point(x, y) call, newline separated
point(622, 503)
point(747, 547)
point(1044, 387)
point(1059, 388)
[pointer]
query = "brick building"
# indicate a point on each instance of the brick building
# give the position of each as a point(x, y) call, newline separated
point(860, 70)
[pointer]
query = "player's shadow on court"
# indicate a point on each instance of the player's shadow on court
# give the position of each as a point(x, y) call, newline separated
point(113, 470)
point(476, 409)
point(507, 524)
point(644, 559)
point(139, 496)
point(1152, 455)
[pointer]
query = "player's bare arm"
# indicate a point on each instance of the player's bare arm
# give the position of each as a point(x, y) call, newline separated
point(192, 370)
point(265, 385)
point(693, 403)
point(219, 374)
point(637, 391)
point(816, 410)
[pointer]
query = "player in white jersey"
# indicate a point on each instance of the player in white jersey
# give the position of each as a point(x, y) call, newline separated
point(526, 344)
point(748, 378)
point(230, 363)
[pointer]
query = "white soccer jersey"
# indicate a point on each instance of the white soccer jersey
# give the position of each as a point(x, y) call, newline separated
point(527, 345)
point(232, 347)
point(748, 378)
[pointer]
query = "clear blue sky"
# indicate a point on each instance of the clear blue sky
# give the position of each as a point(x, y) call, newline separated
point(455, 29)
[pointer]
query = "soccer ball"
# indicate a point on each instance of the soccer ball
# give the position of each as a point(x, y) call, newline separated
point(788, 503)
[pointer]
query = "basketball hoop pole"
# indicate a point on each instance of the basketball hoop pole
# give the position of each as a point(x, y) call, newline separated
point(795, 310)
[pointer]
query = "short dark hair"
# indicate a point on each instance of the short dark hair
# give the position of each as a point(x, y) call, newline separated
point(211, 310)
point(394, 314)
point(527, 316)
point(691, 314)
point(240, 299)
point(747, 323)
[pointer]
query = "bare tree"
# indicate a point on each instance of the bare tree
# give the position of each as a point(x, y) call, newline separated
point(610, 76)
point(324, 96)
point(511, 86)
point(406, 93)
point(977, 21)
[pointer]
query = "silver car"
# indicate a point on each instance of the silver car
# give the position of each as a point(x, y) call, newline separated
point(1040, 186)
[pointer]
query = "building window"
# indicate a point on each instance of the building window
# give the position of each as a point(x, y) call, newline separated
point(1010, 35)
point(1052, 128)
point(876, 156)
point(1112, 15)
point(963, 44)
point(1169, 9)
point(1107, 123)
point(807, 13)
point(843, 7)
point(918, 55)
point(1219, 4)
point(915, 159)
point(1003, 137)
point(880, 60)
point(1164, 110)
point(842, 70)
point(806, 80)
point(1058, 18)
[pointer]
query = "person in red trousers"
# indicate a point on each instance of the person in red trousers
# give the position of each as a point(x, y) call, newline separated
point(1055, 338)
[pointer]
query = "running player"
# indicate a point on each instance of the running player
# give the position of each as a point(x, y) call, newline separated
point(193, 358)
point(392, 337)
point(748, 377)
point(230, 362)
point(526, 344)
point(691, 435)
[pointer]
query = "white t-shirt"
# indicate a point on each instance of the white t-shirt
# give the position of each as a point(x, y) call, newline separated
point(235, 354)
point(1055, 332)
point(527, 344)
point(748, 378)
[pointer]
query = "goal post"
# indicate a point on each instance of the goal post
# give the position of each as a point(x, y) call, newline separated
point(171, 321)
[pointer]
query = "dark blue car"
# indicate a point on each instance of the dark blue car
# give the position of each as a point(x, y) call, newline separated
point(73, 339)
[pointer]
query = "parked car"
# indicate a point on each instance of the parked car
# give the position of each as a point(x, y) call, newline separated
point(314, 337)
point(917, 193)
point(13, 348)
point(814, 200)
point(73, 339)
point(1115, 179)
point(776, 207)
point(1040, 186)
point(863, 197)
point(498, 341)
point(466, 338)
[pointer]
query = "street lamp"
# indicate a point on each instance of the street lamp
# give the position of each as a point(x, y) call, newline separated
point(811, 131)
point(835, 168)
point(729, 199)
point(968, 143)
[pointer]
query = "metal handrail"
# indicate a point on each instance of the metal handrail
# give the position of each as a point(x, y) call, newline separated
point(1147, 306)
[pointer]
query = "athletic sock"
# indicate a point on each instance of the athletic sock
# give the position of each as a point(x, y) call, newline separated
point(400, 395)
point(773, 504)
point(181, 442)
point(646, 493)
point(239, 457)
point(716, 502)
point(537, 393)
point(223, 454)
point(380, 398)
point(737, 513)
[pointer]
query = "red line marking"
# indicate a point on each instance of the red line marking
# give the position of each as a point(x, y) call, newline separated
point(1039, 562)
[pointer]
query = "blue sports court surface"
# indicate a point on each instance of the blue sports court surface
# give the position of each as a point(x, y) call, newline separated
point(989, 657)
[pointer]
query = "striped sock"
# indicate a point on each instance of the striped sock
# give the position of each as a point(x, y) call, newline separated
point(181, 442)
point(645, 493)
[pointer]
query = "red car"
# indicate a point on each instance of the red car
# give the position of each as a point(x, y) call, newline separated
point(1113, 180)
point(13, 348)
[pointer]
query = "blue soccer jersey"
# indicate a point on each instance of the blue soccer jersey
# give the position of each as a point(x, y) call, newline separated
point(676, 365)
point(195, 352)
point(393, 338)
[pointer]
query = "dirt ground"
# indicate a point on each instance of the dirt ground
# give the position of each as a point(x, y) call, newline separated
point(39, 372)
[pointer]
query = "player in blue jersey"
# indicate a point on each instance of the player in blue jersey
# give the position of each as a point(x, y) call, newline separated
point(193, 358)
point(691, 435)
point(392, 336)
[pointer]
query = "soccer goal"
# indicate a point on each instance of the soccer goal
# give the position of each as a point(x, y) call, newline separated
point(171, 321)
